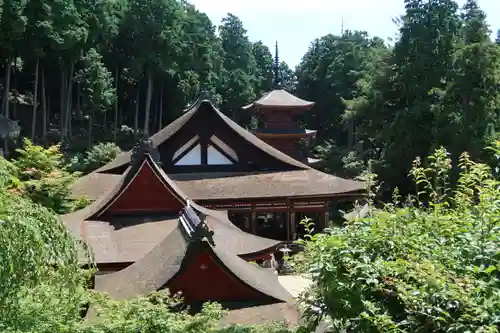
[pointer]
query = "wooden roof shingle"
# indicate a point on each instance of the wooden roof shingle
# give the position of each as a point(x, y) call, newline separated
point(123, 239)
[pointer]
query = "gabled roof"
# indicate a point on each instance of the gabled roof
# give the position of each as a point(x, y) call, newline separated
point(190, 238)
point(205, 106)
point(280, 98)
point(251, 294)
point(124, 235)
point(302, 180)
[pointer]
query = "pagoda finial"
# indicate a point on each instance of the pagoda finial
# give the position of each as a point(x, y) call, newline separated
point(276, 68)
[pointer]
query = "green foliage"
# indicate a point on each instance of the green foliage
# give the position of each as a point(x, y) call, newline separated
point(45, 291)
point(96, 82)
point(428, 264)
point(33, 241)
point(95, 157)
point(44, 178)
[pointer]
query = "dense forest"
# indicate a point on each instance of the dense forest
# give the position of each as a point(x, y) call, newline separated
point(86, 71)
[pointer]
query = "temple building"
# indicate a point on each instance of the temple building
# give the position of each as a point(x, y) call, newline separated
point(221, 166)
point(147, 235)
point(277, 112)
point(141, 210)
point(192, 262)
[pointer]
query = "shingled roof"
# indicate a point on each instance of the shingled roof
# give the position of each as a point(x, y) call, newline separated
point(176, 260)
point(299, 180)
point(280, 98)
point(205, 105)
point(121, 231)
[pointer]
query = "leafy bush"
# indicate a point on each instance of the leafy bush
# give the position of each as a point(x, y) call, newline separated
point(427, 264)
point(43, 289)
point(95, 157)
point(43, 176)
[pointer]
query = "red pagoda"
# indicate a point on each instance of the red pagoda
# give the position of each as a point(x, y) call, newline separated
point(278, 112)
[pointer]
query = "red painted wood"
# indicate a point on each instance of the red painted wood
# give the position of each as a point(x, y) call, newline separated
point(146, 193)
point(205, 280)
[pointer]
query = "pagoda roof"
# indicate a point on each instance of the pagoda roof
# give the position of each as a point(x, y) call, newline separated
point(176, 259)
point(124, 236)
point(298, 180)
point(279, 98)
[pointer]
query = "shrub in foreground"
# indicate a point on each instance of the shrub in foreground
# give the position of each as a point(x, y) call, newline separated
point(428, 264)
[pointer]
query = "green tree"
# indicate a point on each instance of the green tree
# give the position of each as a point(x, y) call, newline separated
point(152, 25)
point(12, 29)
point(237, 77)
point(342, 68)
point(97, 84)
point(469, 112)
point(287, 77)
point(264, 62)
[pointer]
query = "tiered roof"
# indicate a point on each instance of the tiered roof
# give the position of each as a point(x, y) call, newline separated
point(279, 98)
point(140, 210)
point(282, 177)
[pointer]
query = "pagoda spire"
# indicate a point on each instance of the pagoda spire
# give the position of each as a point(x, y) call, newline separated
point(276, 69)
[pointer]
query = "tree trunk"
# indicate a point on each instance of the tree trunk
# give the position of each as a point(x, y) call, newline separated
point(115, 124)
point(35, 100)
point(8, 71)
point(69, 100)
point(49, 108)
point(44, 108)
point(91, 115)
point(16, 94)
point(136, 117)
point(149, 94)
point(62, 92)
point(160, 116)
point(78, 99)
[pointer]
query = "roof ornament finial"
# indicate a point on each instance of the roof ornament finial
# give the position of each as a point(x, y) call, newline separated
point(203, 94)
point(142, 147)
point(194, 224)
point(276, 69)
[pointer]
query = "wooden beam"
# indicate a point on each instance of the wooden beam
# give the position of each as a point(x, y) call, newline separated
point(326, 221)
point(253, 218)
point(247, 222)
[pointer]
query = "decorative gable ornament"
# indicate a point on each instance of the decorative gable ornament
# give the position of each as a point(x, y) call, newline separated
point(196, 226)
point(143, 147)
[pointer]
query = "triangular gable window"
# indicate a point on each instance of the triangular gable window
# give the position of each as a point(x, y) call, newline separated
point(185, 147)
point(224, 147)
point(193, 157)
point(214, 157)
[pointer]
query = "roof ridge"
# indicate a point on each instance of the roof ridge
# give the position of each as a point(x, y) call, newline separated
point(169, 130)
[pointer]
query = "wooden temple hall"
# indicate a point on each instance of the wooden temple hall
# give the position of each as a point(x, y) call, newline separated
point(263, 184)
point(196, 202)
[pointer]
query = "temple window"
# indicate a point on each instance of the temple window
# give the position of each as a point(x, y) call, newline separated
point(217, 153)
point(193, 157)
